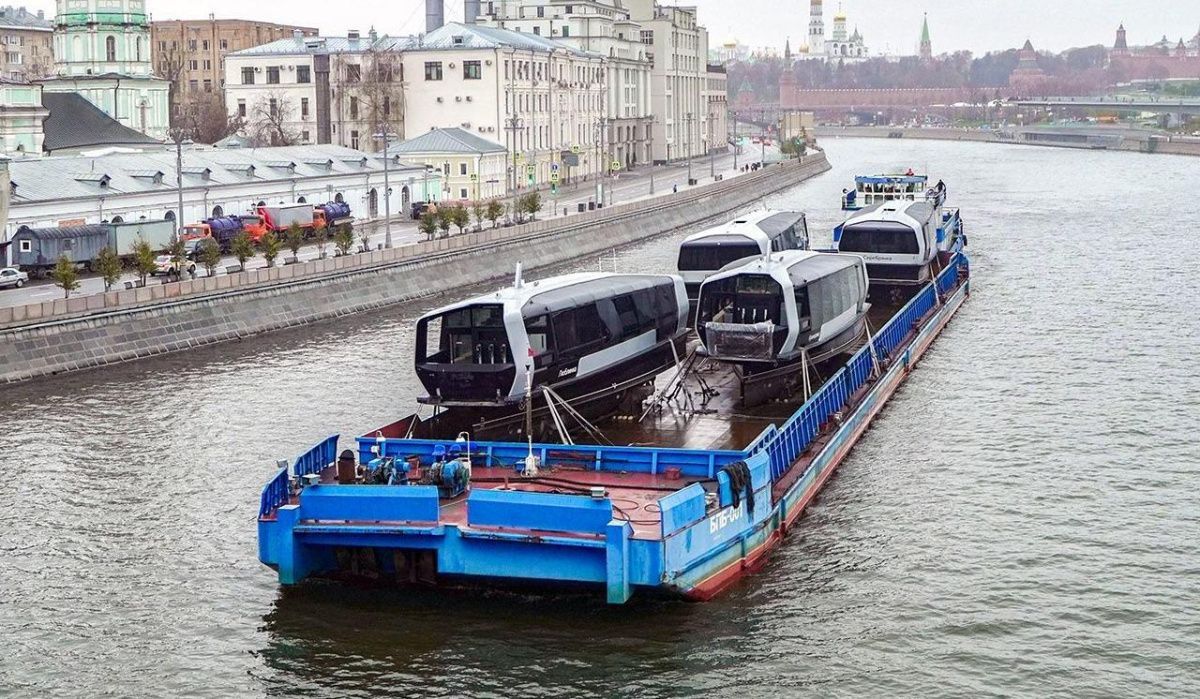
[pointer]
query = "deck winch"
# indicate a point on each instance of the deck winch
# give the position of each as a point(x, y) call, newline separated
point(450, 471)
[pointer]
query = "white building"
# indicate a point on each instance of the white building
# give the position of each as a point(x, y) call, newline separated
point(472, 168)
point(606, 28)
point(545, 100)
point(102, 52)
point(679, 53)
point(841, 46)
point(72, 190)
point(318, 90)
point(21, 117)
point(716, 97)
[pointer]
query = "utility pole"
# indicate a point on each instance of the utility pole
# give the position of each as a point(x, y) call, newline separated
point(689, 146)
point(387, 194)
point(651, 139)
point(181, 140)
point(736, 139)
point(712, 153)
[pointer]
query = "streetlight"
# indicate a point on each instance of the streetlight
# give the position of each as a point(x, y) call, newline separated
point(515, 123)
point(180, 138)
point(386, 137)
point(689, 146)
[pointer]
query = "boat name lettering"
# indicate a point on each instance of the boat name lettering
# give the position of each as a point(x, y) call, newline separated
point(569, 371)
point(724, 518)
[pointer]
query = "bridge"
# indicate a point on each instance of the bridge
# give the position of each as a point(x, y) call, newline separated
point(1161, 106)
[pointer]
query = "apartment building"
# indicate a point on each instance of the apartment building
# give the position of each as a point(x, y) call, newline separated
point(545, 100)
point(602, 27)
point(678, 50)
point(191, 54)
point(27, 40)
point(319, 90)
point(716, 96)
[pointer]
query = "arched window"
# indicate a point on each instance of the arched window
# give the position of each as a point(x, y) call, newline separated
point(405, 198)
point(262, 203)
point(218, 211)
point(301, 200)
point(169, 216)
point(110, 49)
point(339, 198)
point(373, 206)
point(118, 219)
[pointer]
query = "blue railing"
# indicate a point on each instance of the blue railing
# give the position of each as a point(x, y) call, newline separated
point(276, 493)
point(316, 459)
point(786, 444)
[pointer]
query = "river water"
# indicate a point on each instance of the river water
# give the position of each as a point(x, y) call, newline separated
point(1023, 519)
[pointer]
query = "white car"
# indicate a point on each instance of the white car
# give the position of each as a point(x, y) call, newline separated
point(164, 265)
point(10, 276)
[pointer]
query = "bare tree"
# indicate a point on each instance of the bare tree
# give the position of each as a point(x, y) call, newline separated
point(170, 66)
point(209, 122)
point(372, 99)
point(270, 121)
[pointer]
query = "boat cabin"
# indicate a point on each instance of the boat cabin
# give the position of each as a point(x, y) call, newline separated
point(898, 239)
point(753, 235)
point(575, 333)
point(870, 190)
point(783, 307)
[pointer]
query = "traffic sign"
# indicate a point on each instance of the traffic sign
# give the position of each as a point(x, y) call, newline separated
point(553, 167)
point(474, 177)
point(575, 150)
point(553, 177)
point(616, 165)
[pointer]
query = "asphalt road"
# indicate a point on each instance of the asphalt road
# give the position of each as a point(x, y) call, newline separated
point(625, 187)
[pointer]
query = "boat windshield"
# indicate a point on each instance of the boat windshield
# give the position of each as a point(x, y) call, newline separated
point(879, 237)
point(472, 335)
point(743, 300)
point(710, 257)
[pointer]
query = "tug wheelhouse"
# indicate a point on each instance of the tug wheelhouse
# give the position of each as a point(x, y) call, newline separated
point(753, 235)
point(784, 308)
point(576, 333)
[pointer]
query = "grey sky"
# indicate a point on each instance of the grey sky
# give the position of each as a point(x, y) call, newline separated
point(978, 25)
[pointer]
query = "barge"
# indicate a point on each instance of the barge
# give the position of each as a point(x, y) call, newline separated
point(684, 500)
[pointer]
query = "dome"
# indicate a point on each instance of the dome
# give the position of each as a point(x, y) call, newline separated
point(839, 17)
point(802, 48)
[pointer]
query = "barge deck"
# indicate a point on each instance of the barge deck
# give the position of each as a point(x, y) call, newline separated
point(690, 498)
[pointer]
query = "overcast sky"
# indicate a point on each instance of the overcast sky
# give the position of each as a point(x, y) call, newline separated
point(887, 25)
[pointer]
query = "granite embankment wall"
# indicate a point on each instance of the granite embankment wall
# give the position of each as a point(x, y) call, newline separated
point(1125, 141)
point(121, 326)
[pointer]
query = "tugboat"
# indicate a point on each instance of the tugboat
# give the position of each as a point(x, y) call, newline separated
point(902, 228)
point(776, 317)
point(592, 340)
point(753, 235)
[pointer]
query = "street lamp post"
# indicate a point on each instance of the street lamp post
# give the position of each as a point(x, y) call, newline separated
point(181, 140)
point(689, 146)
point(712, 153)
point(387, 189)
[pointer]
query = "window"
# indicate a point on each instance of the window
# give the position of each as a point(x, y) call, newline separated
point(241, 105)
point(462, 193)
point(207, 64)
point(566, 31)
point(191, 44)
point(353, 107)
point(536, 29)
point(704, 257)
point(273, 107)
point(208, 86)
point(247, 76)
point(304, 74)
point(224, 44)
point(304, 136)
point(273, 75)
point(353, 73)
point(472, 70)
point(881, 238)
point(433, 70)
point(193, 65)
point(205, 44)
point(193, 86)
point(462, 168)
point(110, 49)
point(26, 246)
point(303, 107)
point(354, 140)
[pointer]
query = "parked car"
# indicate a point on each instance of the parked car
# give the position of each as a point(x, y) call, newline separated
point(165, 265)
point(420, 208)
point(12, 277)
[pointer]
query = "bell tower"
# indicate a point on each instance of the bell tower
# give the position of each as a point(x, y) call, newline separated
point(816, 29)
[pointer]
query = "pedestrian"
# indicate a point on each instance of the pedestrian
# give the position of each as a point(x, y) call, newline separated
point(675, 188)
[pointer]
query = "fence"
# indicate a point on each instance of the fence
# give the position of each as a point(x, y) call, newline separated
point(276, 492)
point(786, 444)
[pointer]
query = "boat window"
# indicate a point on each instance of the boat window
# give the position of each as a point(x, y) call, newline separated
point(473, 335)
point(709, 257)
point(538, 331)
point(879, 237)
point(745, 299)
point(578, 331)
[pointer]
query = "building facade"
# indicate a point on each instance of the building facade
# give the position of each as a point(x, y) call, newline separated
point(59, 191)
point(472, 168)
point(319, 90)
point(28, 43)
point(545, 100)
point(21, 117)
point(716, 96)
point(841, 46)
point(678, 79)
point(102, 51)
point(1162, 60)
point(602, 27)
point(191, 54)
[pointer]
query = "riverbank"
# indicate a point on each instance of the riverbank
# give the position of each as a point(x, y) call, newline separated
point(1086, 138)
point(67, 335)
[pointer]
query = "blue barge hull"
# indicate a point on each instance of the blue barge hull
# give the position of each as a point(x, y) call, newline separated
point(663, 519)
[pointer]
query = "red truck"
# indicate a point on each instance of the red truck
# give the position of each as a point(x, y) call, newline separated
point(310, 218)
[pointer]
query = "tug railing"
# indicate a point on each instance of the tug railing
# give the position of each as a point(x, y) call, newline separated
point(784, 445)
point(277, 491)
